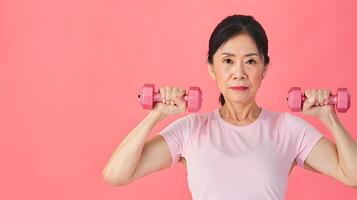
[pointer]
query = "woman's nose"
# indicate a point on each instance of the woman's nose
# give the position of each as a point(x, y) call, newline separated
point(239, 72)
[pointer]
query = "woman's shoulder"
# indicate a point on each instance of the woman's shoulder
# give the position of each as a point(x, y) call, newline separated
point(194, 118)
point(202, 115)
point(280, 114)
point(282, 118)
point(198, 118)
point(287, 119)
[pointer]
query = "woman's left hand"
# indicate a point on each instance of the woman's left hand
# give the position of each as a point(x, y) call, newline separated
point(316, 103)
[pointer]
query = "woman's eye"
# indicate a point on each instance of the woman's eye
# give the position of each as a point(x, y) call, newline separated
point(249, 61)
point(229, 60)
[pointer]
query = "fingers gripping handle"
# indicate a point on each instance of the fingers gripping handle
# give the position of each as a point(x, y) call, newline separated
point(332, 99)
point(148, 96)
point(157, 97)
point(341, 101)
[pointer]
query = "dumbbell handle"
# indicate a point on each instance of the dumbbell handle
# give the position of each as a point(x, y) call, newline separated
point(332, 99)
point(157, 97)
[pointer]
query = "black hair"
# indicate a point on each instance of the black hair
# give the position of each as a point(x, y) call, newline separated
point(234, 25)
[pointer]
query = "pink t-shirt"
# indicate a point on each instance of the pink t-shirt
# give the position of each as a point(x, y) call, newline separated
point(226, 161)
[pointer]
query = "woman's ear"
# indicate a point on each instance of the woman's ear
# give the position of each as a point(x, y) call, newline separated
point(265, 71)
point(211, 71)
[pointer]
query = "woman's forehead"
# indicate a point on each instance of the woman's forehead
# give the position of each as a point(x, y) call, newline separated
point(240, 45)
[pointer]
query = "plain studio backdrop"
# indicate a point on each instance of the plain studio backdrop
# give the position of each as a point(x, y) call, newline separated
point(70, 71)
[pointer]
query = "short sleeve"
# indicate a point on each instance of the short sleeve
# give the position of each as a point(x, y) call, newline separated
point(177, 135)
point(306, 138)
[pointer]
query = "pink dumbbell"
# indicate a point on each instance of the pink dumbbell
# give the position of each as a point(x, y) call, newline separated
point(148, 97)
point(341, 101)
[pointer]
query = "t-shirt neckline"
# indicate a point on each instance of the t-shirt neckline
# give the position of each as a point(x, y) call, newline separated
point(254, 123)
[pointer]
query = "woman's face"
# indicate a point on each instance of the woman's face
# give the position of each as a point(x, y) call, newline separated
point(238, 63)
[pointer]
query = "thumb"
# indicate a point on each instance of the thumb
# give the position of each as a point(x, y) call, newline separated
point(308, 103)
point(180, 103)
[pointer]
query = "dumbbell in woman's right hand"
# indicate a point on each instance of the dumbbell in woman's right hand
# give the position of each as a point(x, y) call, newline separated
point(170, 100)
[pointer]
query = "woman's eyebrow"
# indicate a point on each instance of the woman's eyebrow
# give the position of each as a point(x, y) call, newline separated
point(231, 54)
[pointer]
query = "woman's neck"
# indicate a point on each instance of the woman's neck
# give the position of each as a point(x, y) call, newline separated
point(239, 112)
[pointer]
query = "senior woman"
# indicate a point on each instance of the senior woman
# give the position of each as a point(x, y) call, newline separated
point(239, 150)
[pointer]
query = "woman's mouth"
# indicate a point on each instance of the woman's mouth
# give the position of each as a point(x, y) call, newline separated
point(239, 88)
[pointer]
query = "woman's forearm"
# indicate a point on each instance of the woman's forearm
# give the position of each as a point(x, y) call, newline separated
point(346, 146)
point(126, 156)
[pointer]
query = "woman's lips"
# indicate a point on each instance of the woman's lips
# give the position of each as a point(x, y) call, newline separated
point(239, 88)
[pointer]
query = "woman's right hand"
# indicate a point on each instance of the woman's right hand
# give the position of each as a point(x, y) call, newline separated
point(172, 101)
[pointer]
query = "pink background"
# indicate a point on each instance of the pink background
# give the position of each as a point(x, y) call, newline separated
point(70, 72)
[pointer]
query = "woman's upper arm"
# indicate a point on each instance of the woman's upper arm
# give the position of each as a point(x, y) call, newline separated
point(324, 159)
point(154, 157)
point(165, 149)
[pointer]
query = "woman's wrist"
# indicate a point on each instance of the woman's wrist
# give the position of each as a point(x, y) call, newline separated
point(156, 115)
point(330, 120)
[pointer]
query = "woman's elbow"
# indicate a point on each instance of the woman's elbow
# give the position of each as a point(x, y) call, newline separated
point(352, 184)
point(112, 180)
